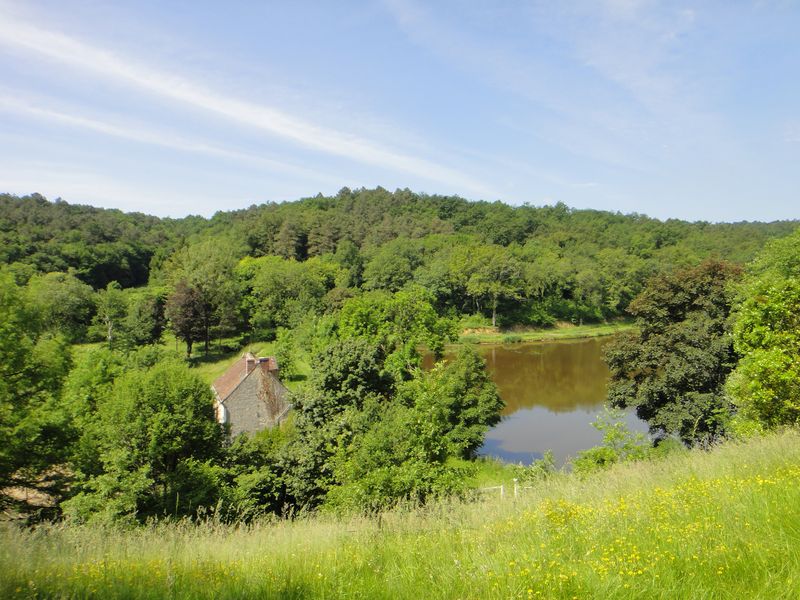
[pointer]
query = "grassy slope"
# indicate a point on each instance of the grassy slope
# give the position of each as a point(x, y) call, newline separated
point(723, 524)
point(491, 335)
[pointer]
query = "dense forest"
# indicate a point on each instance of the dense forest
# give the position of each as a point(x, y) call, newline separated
point(512, 265)
point(108, 422)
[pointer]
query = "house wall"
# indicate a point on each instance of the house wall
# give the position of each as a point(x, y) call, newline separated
point(258, 402)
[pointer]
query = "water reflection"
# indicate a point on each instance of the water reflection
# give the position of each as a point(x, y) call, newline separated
point(561, 376)
point(553, 392)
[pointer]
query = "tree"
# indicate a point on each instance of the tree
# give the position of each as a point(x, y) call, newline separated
point(495, 274)
point(346, 376)
point(291, 241)
point(349, 258)
point(673, 368)
point(283, 292)
point(766, 383)
point(392, 265)
point(35, 432)
point(111, 308)
point(188, 314)
point(145, 321)
point(394, 453)
point(620, 444)
point(208, 269)
point(64, 304)
point(286, 353)
point(464, 397)
point(158, 443)
point(398, 324)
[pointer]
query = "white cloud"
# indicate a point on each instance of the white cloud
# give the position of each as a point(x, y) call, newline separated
point(138, 133)
point(77, 54)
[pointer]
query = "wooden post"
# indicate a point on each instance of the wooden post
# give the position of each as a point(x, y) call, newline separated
point(515, 487)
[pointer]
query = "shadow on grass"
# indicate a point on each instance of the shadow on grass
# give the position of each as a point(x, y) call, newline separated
point(213, 356)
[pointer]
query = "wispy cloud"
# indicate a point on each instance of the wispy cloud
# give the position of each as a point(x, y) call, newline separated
point(141, 134)
point(105, 64)
point(611, 76)
point(571, 105)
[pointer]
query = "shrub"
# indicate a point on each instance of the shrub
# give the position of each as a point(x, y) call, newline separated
point(619, 444)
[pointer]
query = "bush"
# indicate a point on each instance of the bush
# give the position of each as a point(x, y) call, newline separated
point(536, 471)
point(477, 321)
point(619, 444)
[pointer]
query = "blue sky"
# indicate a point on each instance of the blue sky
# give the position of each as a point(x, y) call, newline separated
point(170, 108)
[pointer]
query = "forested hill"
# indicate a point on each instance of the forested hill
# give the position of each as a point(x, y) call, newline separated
point(568, 263)
point(371, 218)
point(101, 245)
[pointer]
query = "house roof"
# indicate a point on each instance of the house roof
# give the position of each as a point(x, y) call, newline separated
point(230, 379)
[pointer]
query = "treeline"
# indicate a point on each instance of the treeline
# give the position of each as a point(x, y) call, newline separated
point(499, 265)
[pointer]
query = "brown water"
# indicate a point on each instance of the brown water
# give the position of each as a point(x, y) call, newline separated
point(553, 392)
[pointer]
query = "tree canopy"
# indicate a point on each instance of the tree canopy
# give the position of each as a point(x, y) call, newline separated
point(766, 383)
point(673, 368)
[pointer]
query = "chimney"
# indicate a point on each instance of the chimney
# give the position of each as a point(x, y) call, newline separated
point(249, 363)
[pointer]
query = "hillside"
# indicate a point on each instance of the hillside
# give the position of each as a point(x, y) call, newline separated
point(719, 524)
point(520, 266)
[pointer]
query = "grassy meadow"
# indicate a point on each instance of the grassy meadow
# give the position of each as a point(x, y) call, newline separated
point(719, 524)
point(563, 331)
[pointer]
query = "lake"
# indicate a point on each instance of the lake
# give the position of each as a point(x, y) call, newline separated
point(553, 392)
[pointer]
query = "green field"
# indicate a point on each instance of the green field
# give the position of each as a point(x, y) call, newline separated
point(492, 335)
point(719, 524)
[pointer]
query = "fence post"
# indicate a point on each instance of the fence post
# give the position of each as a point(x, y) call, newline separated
point(502, 491)
point(515, 487)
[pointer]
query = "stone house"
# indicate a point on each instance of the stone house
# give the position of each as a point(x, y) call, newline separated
point(249, 396)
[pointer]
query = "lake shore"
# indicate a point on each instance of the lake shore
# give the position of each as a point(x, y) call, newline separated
point(562, 331)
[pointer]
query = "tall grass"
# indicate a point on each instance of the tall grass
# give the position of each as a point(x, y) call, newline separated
point(720, 524)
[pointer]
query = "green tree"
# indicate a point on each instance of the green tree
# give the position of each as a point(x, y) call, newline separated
point(286, 353)
point(394, 453)
point(254, 475)
point(144, 324)
point(284, 292)
point(399, 324)
point(111, 308)
point(352, 263)
point(188, 314)
point(766, 383)
point(346, 376)
point(35, 432)
point(208, 269)
point(291, 241)
point(64, 304)
point(158, 444)
point(465, 399)
point(673, 368)
point(392, 265)
point(495, 275)
point(620, 444)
